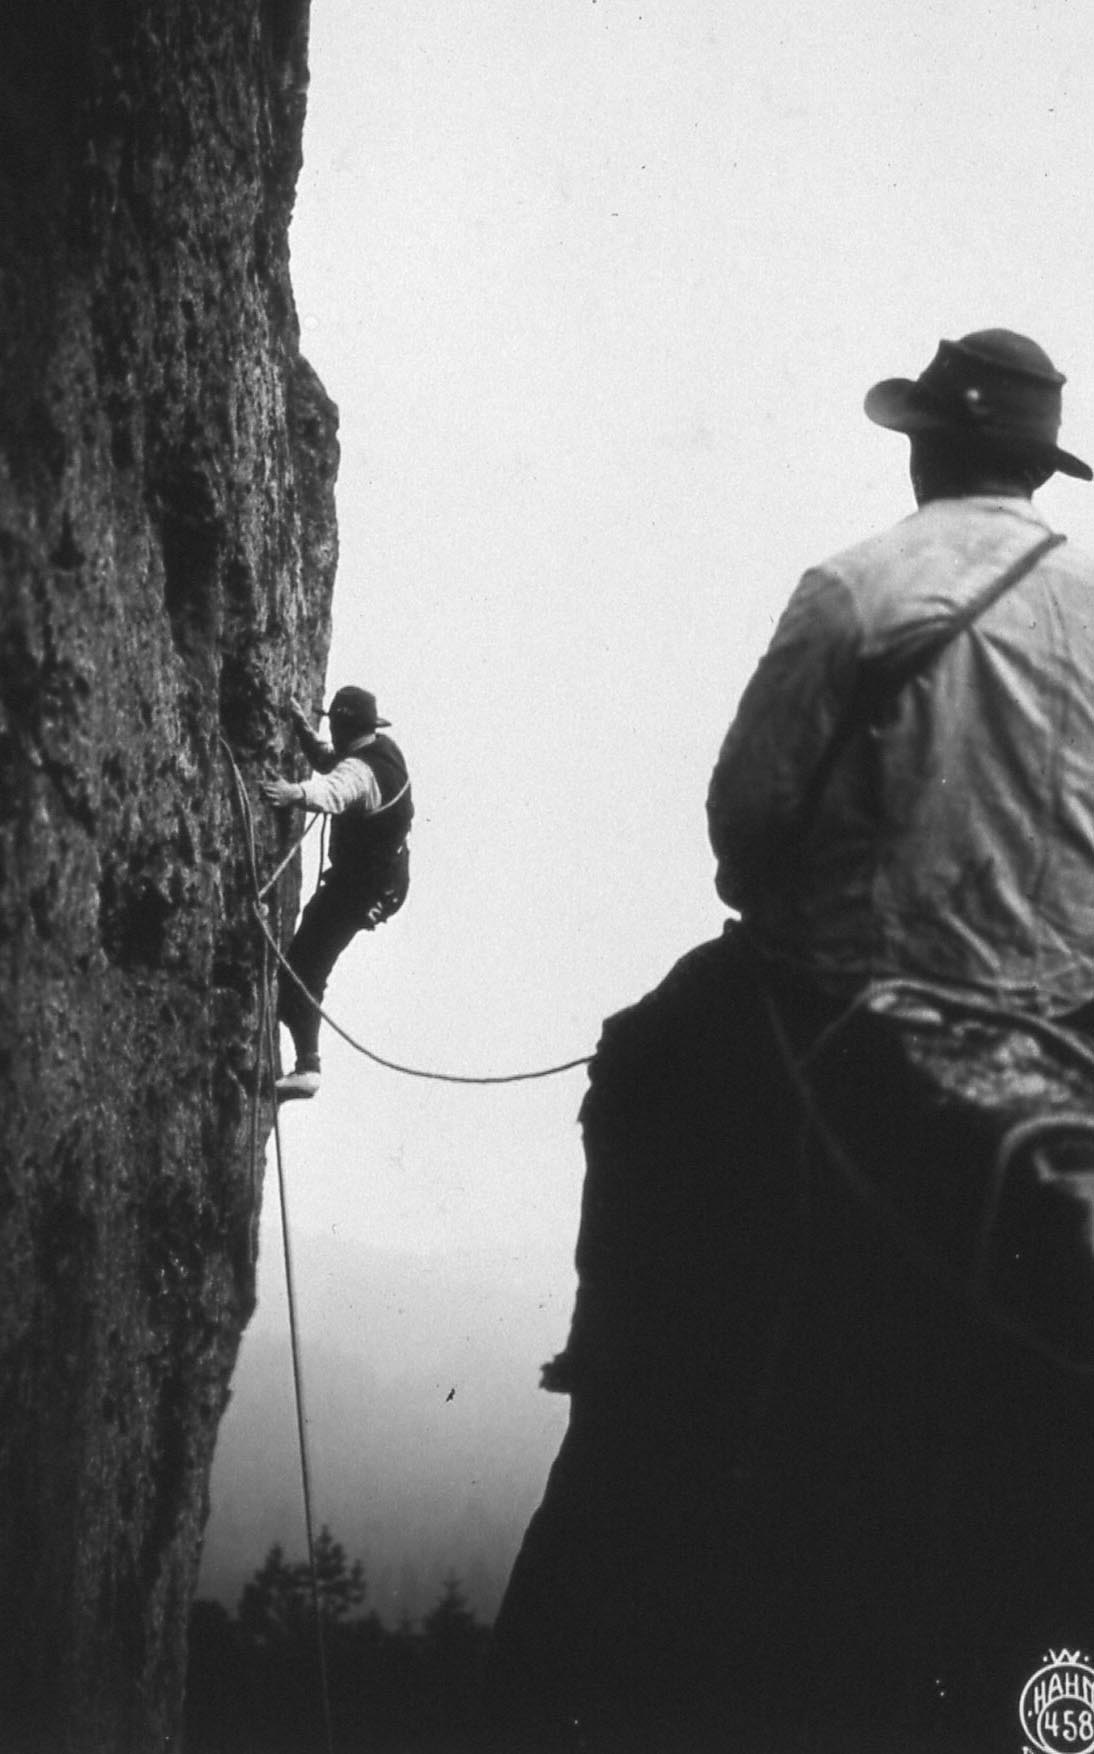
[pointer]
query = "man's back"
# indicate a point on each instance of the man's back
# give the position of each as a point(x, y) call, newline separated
point(956, 841)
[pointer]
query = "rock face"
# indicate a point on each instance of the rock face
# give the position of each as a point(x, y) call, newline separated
point(826, 1480)
point(168, 546)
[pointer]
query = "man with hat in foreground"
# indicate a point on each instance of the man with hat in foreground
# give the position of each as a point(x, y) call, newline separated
point(826, 1482)
point(362, 782)
point(948, 833)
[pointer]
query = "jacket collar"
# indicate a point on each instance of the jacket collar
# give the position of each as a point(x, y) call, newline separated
point(993, 504)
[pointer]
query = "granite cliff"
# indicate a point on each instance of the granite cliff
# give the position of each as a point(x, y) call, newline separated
point(168, 546)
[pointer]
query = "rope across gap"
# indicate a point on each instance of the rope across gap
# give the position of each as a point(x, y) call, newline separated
point(261, 890)
point(395, 1065)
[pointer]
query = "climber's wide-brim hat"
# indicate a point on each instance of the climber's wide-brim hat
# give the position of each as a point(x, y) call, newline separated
point(357, 707)
point(993, 385)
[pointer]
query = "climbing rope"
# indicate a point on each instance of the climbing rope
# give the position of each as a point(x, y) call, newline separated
point(395, 1065)
point(265, 1062)
point(288, 859)
point(270, 1055)
point(261, 890)
point(911, 1245)
point(1028, 1135)
point(952, 1000)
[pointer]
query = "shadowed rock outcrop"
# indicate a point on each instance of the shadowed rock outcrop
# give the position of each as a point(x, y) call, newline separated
point(167, 544)
point(825, 1487)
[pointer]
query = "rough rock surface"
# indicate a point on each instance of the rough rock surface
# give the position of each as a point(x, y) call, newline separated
point(167, 543)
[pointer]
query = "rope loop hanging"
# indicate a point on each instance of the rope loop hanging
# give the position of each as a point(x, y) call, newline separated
point(921, 1254)
point(265, 1065)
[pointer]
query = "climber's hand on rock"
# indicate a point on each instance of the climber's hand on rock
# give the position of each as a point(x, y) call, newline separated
point(298, 716)
point(278, 792)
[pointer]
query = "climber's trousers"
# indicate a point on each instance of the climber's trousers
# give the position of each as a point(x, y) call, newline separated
point(331, 920)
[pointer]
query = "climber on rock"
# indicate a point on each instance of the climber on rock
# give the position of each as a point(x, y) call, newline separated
point(361, 781)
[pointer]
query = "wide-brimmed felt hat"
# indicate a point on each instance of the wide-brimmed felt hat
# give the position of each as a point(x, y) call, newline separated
point(357, 707)
point(993, 385)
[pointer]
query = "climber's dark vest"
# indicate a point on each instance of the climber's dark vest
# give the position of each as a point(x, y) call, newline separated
point(363, 843)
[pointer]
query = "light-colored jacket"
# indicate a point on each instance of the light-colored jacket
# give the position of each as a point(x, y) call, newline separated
point(956, 843)
point(340, 785)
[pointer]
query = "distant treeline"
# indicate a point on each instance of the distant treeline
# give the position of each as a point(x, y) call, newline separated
point(255, 1681)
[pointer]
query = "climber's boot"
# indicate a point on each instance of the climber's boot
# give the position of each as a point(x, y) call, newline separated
point(296, 1085)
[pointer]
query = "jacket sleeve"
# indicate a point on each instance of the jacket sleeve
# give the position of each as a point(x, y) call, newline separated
point(785, 718)
point(317, 750)
point(349, 782)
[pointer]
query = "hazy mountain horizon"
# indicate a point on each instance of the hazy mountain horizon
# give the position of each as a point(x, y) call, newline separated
point(429, 1438)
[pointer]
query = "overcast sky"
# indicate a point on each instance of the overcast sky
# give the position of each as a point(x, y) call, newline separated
point(598, 287)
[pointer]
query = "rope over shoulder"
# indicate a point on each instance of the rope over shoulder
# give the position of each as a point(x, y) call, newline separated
point(925, 1258)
